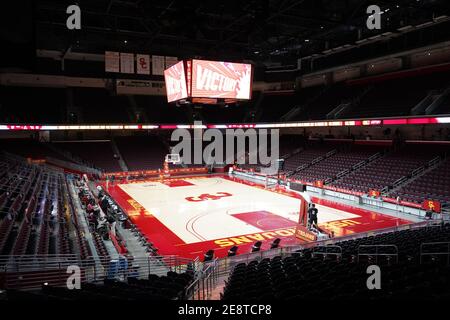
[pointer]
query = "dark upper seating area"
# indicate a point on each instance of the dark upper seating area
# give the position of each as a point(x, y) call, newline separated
point(142, 152)
point(331, 97)
point(391, 94)
point(156, 110)
point(29, 148)
point(396, 97)
point(433, 185)
point(97, 105)
point(32, 105)
point(99, 153)
point(444, 107)
point(305, 275)
point(138, 152)
point(273, 106)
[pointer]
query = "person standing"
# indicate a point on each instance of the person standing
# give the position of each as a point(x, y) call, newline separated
point(312, 216)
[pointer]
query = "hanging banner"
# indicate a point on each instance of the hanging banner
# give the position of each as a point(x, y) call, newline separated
point(143, 64)
point(112, 61)
point(158, 65)
point(126, 62)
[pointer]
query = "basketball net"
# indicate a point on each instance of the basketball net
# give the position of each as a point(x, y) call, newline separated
point(173, 158)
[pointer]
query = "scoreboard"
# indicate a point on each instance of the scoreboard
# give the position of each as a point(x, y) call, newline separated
point(203, 79)
point(175, 79)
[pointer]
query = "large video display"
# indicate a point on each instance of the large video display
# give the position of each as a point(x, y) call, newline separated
point(175, 79)
point(214, 79)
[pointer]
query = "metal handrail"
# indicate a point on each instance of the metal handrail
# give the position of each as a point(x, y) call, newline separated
point(377, 254)
point(399, 181)
point(326, 253)
point(434, 161)
point(202, 287)
point(447, 253)
point(33, 271)
point(416, 171)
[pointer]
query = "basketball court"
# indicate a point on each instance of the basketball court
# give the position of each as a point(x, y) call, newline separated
point(189, 216)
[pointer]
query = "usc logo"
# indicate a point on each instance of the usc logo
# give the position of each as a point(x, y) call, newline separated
point(208, 196)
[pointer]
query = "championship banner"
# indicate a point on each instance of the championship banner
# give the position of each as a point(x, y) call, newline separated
point(126, 62)
point(374, 193)
point(158, 65)
point(112, 61)
point(214, 79)
point(143, 64)
point(432, 205)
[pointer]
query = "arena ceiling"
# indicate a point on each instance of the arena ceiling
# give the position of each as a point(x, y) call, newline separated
point(258, 30)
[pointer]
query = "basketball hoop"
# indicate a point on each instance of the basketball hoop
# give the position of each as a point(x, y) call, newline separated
point(173, 158)
point(271, 182)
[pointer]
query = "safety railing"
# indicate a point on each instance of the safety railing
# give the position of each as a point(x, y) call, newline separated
point(330, 250)
point(399, 181)
point(360, 164)
point(342, 173)
point(441, 249)
point(375, 156)
point(24, 272)
point(227, 264)
point(434, 162)
point(206, 281)
point(35, 262)
point(381, 250)
point(301, 167)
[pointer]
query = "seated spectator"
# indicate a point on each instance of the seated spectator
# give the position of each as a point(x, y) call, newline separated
point(93, 221)
point(90, 208)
